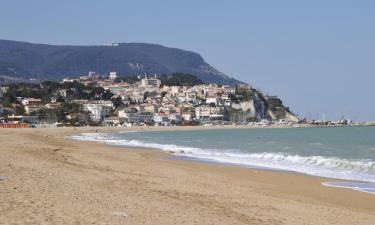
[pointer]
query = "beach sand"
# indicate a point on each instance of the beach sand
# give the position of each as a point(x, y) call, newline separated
point(48, 179)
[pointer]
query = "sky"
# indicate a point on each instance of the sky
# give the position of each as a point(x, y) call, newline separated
point(317, 56)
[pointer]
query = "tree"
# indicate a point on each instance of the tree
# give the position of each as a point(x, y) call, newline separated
point(118, 103)
point(163, 94)
point(180, 79)
point(127, 79)
point(20, 110)
point(145, 95)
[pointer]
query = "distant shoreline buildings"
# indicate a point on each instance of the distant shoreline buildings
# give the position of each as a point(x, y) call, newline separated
point(108, 100)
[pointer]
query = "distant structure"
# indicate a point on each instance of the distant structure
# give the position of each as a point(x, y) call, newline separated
point(243, 87)
point(112, 75)
point(91, 74)
point(111, 44)
point(150, 82)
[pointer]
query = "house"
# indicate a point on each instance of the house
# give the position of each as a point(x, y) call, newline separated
point(69, 80)
point(191, 96)
point(241, 87)
point(151, 108)
point(181, 97)
point(207, 112)
point(52, 105)
point(212, 99)
point(32, 104)
point(160, 118)
point(176, 117)
point(146, 117)
point(129, 115)
point(62, 92)
point(3, 90)
point(187, 116)
point(169, 108)
point(150, 82)
point(228, 90)
point(98, 109)
point(118, 89)
point(132, 117)
point(112, 121)
point(112, 75)
point(174, 90)
point(80, 117)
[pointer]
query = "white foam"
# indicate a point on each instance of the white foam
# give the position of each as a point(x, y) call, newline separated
point(361, 170)
point(358, 186)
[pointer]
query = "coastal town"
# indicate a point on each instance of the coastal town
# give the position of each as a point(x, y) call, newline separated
point(144, 100)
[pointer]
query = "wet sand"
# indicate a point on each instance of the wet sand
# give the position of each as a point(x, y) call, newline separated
point(48, 179)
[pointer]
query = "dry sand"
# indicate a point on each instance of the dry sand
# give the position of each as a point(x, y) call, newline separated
point(52, 180)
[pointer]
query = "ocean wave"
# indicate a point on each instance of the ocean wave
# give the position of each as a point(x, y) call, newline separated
point(358, 186)
point(361, 170)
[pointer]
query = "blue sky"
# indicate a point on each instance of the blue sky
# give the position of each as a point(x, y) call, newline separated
point(318, 56)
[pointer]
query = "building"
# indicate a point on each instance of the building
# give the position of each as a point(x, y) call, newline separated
point(118, 89)
point(241, 87)
point(181, 97)
point(212, 99)
point(150, 82)
point(32, 104)
point(147, 108)
point(176, 117)
point(98, 109)
point(112, 75)
point(69, 80)
point(228, 90)
point(3, 90)
point(209, 112)
point(160, 118)
point(187, 116)
point(112, 121)
point(146, 117)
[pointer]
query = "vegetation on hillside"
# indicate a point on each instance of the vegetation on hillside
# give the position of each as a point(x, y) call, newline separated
point(53, 62)
point(179, 79)
point(49, 89)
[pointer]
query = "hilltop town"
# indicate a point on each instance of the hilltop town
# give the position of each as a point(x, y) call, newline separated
point(161, 100)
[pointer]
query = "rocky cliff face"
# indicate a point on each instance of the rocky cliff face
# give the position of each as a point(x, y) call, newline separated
point(260, 107)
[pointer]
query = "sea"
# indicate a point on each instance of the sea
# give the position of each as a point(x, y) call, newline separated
point(344, 152)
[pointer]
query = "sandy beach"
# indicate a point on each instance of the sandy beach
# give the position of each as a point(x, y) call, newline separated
point(48, 179)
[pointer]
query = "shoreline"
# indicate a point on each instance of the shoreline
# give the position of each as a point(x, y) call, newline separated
point(178, 152)
point(54, 177)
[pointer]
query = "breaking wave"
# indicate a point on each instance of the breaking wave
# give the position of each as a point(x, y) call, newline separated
point(332, 167)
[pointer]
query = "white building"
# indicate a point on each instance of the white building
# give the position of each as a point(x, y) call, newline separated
point(160, 118)
point(206, 111)
point(112, 75)
point(212, 99)
point(174, 117)
point(150, 82)
point(187, 116)
point(118, 89)
point(112, 121)
point(98, 109)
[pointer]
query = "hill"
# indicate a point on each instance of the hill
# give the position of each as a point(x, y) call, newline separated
point(25, 61)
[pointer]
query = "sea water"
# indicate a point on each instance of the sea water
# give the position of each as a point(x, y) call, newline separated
point(344, 153)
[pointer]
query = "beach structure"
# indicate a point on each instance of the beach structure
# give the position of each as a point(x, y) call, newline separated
point(14, 125)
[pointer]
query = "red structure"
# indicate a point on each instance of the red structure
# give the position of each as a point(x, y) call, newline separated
point(14, 125)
